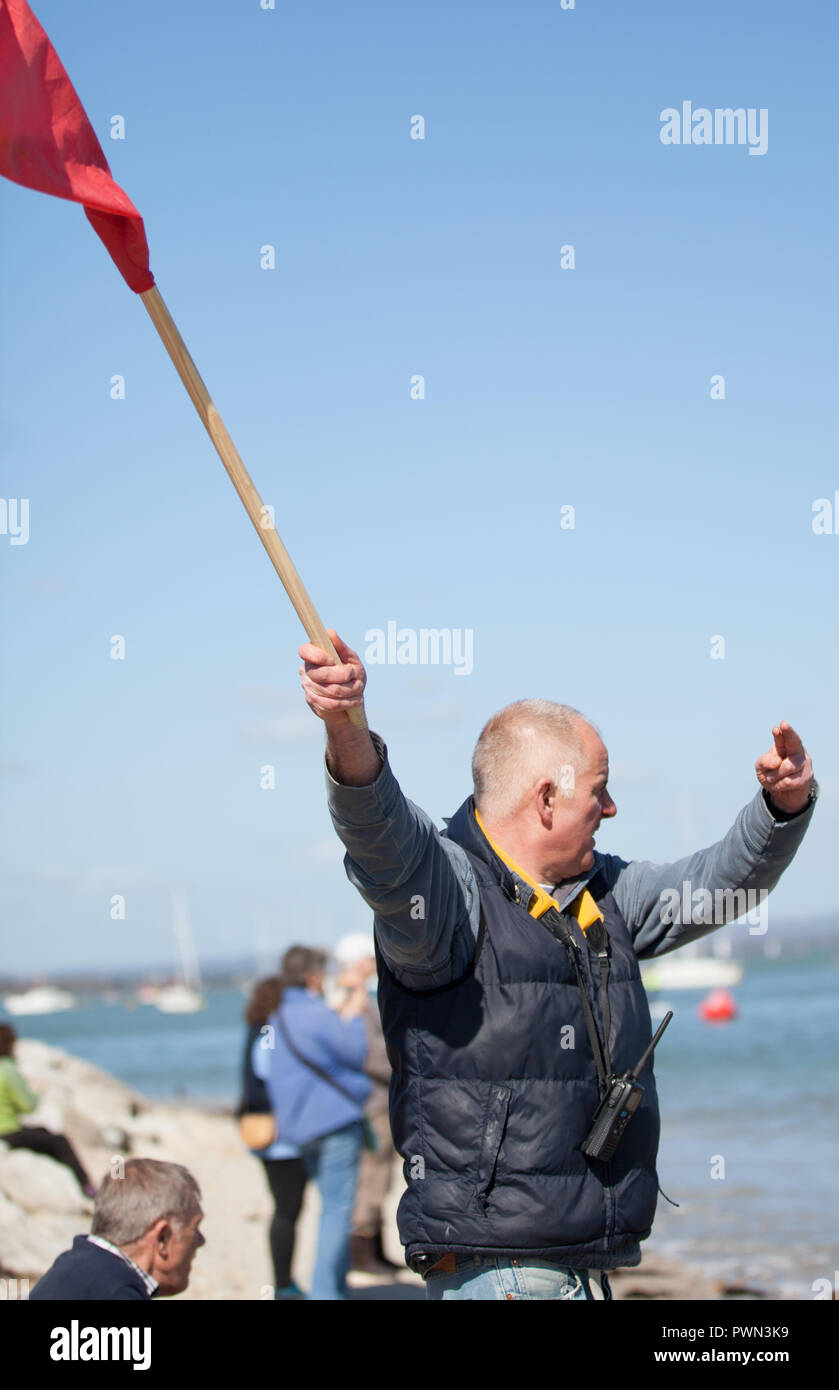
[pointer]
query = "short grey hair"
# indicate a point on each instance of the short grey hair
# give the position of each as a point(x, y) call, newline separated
point(518, 745)
point(127, 1206)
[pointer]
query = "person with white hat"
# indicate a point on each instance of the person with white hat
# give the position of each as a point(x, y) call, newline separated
point(354, 956)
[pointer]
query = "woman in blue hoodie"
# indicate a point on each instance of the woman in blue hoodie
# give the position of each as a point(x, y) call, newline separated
point(313, 1067)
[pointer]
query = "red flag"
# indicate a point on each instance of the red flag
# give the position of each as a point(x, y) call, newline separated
point(48, 143)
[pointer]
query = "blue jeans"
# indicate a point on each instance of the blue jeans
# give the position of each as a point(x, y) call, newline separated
point(483, 1277)
point(332, 1162)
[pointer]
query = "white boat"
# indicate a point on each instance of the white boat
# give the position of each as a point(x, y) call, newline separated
point(186, 996)
point(41, 999)
point(691, 972)
point(179, 999)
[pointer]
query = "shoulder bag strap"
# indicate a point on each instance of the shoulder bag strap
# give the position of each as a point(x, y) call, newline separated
point(324, 1075)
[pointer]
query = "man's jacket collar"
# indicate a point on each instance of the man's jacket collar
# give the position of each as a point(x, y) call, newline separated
point(465, 831)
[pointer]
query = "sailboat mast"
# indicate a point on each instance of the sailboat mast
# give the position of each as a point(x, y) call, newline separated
point(190, 969)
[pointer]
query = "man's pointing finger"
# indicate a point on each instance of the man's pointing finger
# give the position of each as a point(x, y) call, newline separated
point(787, 741)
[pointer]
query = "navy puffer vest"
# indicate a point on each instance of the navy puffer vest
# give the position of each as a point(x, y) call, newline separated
point(489, 1103)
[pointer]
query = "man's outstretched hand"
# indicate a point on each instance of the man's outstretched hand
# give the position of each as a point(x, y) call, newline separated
point(786, 772)
point(332, 690)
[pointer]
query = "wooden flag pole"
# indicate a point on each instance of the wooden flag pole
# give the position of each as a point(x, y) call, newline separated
point(241, 479)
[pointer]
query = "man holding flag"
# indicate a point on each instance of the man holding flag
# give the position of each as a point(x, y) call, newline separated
point(502, 1034)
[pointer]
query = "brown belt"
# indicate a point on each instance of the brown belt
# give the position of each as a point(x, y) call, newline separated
point(447, 1264)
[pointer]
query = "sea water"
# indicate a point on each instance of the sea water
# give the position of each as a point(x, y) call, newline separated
point(750, 1131)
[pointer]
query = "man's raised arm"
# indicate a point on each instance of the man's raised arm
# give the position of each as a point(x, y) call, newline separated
point(669, 905)
point(419, 885)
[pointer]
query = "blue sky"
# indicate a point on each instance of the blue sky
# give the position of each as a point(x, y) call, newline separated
point(545, 388)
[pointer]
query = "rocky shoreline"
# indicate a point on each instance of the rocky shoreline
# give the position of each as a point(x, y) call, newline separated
point(42, 1208)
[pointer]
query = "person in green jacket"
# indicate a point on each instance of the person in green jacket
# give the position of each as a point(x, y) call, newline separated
point(16, 1099)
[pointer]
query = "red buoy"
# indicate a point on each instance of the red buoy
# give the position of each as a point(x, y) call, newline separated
point(718, 1007)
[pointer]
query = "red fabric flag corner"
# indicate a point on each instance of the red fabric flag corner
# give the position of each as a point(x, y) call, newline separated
point(47, 142)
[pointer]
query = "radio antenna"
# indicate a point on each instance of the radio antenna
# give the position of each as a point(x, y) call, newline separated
point(640, 1065)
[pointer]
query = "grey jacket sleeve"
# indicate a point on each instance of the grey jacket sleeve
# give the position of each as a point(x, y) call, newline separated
point(420, 885)
point(669, 905)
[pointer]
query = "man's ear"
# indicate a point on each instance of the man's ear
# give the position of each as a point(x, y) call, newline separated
point(162, 1233)
point(545, 793)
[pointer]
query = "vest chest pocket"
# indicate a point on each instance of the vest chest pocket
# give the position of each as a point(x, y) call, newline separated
point(495, 1122)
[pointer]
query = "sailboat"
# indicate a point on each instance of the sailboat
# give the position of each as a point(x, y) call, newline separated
point(186, 995)
point(689, 969)
point(40, 999)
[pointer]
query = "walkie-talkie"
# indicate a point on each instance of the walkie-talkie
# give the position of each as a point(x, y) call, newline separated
point(619, 1105)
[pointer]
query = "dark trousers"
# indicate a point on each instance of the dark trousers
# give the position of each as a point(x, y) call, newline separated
point(286, 1179)
point(43, 1141)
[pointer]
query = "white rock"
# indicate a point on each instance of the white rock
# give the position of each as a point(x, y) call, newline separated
point(28, 1247)
point(8, 1213)
point(37, 1183)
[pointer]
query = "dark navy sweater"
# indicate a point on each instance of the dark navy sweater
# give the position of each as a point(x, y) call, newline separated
point(89, 1272)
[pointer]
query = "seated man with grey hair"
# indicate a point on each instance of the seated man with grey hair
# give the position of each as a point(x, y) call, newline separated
point(142, 1239)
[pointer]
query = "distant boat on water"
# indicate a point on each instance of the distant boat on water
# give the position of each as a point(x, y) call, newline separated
point(700, 972)
point(180, 999)
point(688, 969)
point(187, 995)
point(41, 999)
